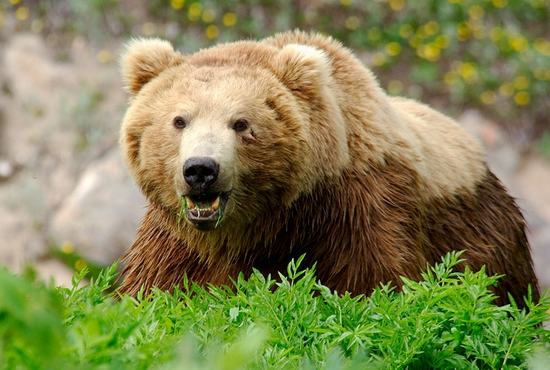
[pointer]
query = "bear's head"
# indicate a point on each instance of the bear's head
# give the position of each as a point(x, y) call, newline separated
point(224, 135)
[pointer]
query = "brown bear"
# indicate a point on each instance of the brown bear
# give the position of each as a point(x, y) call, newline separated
point(254, 153)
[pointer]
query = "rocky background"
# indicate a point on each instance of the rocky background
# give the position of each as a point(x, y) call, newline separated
point(65, 193)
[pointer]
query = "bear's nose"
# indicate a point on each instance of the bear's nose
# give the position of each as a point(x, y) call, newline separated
point(200, 172)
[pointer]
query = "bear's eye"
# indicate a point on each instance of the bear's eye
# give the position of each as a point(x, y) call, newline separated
point(240, 125)
point(180, 122)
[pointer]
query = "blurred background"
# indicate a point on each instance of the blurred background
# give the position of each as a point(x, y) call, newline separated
point(66, 201)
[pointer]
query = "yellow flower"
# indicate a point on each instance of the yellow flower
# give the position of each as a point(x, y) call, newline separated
point(521, 82)
point(80, 264)
point(177, 4)
point(496, 34)
point(476, 12)
point(538, 3)
point(430, 28)
point(522, 98)
point(397, 4)
point(518, 43)
point(22, 13)
point(468, 71)
point(67, 247)
point(415, 41)
point(395, 87)
point(540, 73)
point(378, 59)
point(406, 31)
point(352, 22)
point(506, 89)
point(194, 12)
point(429, 52)
point(346, 2)
point(463, 32)
point(442, 41)
point(212, 31)
point(451, 78)
point(229, 19)
point(542, 46)
point(499, 3)
point(393, 49)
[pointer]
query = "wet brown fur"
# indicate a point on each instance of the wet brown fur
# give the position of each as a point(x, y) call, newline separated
point(388, 212)
point(383, 232)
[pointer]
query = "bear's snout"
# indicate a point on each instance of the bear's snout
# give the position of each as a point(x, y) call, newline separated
point(200, 173)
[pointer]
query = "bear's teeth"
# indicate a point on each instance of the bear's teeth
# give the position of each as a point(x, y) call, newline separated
point(216, 204)
point(190, 204)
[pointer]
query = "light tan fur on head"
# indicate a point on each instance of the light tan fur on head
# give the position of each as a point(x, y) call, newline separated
point(303, 68)
point(277, 91)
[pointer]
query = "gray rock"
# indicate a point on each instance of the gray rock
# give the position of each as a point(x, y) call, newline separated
point(6, 169)
point(100, 217)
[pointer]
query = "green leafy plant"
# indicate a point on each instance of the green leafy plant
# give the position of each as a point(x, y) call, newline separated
point(183, 211)
point(31, 329)
point(445, 321)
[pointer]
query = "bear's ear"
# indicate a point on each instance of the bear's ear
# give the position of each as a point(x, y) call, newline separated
point(145, 59)
point(305, 70)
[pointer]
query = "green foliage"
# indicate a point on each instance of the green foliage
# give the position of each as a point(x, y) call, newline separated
point(30, 323)
point(446, 321)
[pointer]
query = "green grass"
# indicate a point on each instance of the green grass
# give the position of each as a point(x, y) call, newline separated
point(446, 321)
point(183, 211)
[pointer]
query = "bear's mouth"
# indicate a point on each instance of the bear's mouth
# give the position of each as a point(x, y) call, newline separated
point(204, 211)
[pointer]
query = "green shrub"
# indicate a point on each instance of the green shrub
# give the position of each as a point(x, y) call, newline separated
point(30, 323)
point(446, 321)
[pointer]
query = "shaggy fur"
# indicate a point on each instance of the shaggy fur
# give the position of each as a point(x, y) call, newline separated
point(369, 187)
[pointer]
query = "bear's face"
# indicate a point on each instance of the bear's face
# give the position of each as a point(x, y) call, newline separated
point(220, 137)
